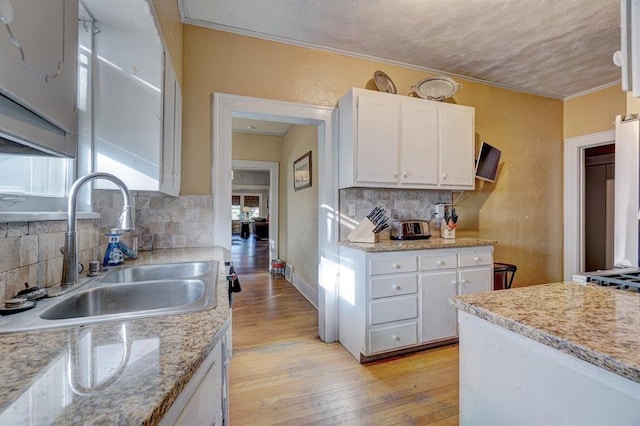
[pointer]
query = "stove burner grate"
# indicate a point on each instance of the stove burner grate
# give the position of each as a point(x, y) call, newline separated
point(621, 281)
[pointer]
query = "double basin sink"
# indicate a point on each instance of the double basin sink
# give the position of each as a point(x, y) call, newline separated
point(122, 294)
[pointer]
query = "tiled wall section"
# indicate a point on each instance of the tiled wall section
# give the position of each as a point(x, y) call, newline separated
point(161, 221)
point(30, 253)
point(399, 203)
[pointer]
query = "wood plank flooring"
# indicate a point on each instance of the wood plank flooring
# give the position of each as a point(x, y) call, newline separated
point(282, 374)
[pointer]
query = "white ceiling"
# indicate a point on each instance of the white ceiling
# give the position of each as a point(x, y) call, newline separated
point(555, 48)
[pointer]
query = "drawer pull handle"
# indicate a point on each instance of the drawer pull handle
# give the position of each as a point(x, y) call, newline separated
point(476, 259)
point(454, 282)
point(397, 287)
point(395, 338)
point(439, 262)
point(396, 266)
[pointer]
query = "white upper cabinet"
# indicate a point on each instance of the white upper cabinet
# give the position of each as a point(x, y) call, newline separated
point(38, 71)
point(392, 141)
point(137, 102)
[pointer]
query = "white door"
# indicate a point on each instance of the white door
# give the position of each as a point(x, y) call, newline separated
point(456, 136)
point(378, 140)
point(476, 280)
point(438, 317)
point(419, 140)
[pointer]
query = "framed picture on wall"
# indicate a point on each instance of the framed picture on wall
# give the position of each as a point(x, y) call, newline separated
point(302, 172)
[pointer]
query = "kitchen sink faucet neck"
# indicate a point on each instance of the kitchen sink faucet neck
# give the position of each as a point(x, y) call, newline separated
point(70, 252)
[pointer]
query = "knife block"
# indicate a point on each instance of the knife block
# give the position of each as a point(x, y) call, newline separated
point(363, 233)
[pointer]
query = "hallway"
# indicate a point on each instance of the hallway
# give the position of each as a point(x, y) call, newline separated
point(281, 373)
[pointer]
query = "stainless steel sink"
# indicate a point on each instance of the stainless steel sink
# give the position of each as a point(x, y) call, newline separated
point(156, 272)
point(126, 298)
point(125, 293)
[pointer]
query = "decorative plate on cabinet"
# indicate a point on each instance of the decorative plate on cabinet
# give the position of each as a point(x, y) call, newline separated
point(384, 83)
point(436, 88)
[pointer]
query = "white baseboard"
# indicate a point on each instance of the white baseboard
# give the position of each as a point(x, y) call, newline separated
point(305, 289)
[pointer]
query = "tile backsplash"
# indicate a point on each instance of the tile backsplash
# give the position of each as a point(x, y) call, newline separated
point(30, 251)
point(399, 203)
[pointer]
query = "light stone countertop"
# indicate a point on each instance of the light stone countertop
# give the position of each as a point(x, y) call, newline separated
point(595, 324)
point(431, 243)
point(165, 352)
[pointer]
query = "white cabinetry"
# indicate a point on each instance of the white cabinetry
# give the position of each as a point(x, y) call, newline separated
point(396, 141)
point(38, 72)
point(137, 107)
point(398, 300)
point(204, 400)
point(450, 272)
point(172, 132)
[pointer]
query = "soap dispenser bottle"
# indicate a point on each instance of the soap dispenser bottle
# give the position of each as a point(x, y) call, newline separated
point(113, 256)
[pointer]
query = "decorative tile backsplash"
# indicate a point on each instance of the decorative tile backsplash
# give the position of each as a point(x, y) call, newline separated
point(399, 203)
point(161, 221)
point(30, 251)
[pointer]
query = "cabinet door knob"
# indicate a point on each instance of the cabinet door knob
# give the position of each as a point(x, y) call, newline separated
point(444, 176)
point(395, 175)
point(476, 259)
point(397, 287)
point(395, 338)
point(454, 282)
point(439, 262)
point(405, 174)
point(396, 266)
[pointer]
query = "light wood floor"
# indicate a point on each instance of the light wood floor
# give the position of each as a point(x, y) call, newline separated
point(281, 373)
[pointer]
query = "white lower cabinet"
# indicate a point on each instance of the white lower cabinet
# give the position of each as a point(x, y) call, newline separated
point(438, 318)
point(204, 400)
point(398, 300)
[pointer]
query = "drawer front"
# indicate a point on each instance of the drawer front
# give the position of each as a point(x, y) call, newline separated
point(392, 265)
point(394, 337)
point(433, 263)
point(393, 309)
point(393, 285)
point(476, 258)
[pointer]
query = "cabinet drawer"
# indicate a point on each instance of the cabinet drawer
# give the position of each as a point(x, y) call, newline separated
point(393, 285)
point(475, 258)
point(392, 265)
point(394, 337)
point(432, 263)
point(393, 309)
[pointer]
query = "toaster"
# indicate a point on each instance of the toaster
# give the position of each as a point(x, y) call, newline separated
point(410, 230)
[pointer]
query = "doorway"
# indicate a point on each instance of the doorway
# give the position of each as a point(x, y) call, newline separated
point(224, 108)
point(574, 198)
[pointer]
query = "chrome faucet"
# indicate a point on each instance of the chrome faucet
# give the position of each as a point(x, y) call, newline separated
point(70, 252)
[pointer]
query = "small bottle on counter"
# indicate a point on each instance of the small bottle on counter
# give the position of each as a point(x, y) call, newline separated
point(113, 255)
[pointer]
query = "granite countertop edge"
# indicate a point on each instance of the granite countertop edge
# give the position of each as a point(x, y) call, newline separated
point(565, 345)
point(404, 245)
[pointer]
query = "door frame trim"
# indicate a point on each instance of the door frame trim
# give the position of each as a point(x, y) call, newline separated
point(224, 107)
point(574, 193)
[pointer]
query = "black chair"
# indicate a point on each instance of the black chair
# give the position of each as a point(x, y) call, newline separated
point(503, 274)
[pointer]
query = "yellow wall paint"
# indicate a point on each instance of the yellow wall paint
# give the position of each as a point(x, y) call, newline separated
point(593, 112)
point(300, 220)
point(256, 147)
point(633, 104)
point(522, 210)
point(171, 28)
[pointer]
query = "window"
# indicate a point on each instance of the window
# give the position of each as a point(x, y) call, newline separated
point(245, 206)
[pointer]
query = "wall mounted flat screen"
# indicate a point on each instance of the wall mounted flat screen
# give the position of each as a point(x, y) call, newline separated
point(487, 163)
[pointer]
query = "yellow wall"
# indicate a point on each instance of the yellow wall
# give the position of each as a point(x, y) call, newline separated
point(522, 210)
point(171, 28)
point(593, 112)
point(299, 241)
point(256, 147)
